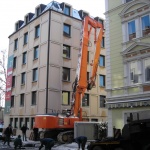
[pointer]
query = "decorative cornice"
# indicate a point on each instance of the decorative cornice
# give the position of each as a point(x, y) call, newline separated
point(132, 4)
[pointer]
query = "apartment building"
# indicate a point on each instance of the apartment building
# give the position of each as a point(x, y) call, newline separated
point(128, 60)
point(42, 61)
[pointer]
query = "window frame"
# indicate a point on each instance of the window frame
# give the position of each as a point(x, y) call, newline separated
point(34, 98)
point(103, 61)
point(68, 96)
point(65, 33)
point(148, 27)
point(22, 96)
point(21, 122)
point(13, 81)
point(68, 74)
point(132, 35)
point(38, 11)
point(37, 31)
point(85, 98)
point(36, 51)
point(25, 38)
point(102, 98)
point(24, 58)
point(27, 19)
point(67, 8)
point(134, 76)
point(15, 44)
point(104, 82)
point(12, 103)
point(16, 123)
point(23, 78)
point(35, 75)
point(17, 26)
point(14, 62)
point(103, 42)
point(68, 50)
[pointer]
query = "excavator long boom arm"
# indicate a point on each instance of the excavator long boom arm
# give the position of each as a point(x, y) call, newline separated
point(81, 84)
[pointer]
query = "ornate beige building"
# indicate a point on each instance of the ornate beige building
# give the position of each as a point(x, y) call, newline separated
point(128, 61)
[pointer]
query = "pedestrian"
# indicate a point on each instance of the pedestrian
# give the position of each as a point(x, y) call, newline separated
point(47, 142)
point(24, 129)
point(18, 142)
point(35, 131)
point(8, 132)
point(81, 141)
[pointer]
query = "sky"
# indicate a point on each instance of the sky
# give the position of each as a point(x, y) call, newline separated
point(13, 10)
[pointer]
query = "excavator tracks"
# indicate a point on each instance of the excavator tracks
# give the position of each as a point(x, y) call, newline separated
point(65, 137)
point(60, 136)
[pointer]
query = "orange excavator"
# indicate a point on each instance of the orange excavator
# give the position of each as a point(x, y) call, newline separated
point(62, 125)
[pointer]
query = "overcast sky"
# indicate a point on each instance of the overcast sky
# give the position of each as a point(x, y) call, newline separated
point(13, 10)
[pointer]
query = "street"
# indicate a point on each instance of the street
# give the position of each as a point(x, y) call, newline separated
point(28, 143)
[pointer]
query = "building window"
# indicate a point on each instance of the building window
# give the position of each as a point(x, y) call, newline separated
point(66, 74)
point(36, 52)
point(103, 42)
point(102, 60)
point(126, 1)
point(27, 122)
point(66, 51)
point(32, 122)
point(16, 44)
point(14, 62)
point(88, 57)
point(12, 101)
point(38, 11)
point(134, 72)
point(146, 25)
point(11, 121)
point(85, 100)
point(102, 80)
point(20, 122)
point(131, 30)
point(16, 123)
point(25, 38)
point(147, 70)
point(67, 10)
point(23, 78)
point(102, 101)
point(94, 120)
point(24, 58)
point(17, 26)
point(65, 98)
point(35, 74)
point(27, 19)
point(13, 81)
point(37, 31)
point(33, 102)
point(22, 100)
point(88, 76)
point(67, 30)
